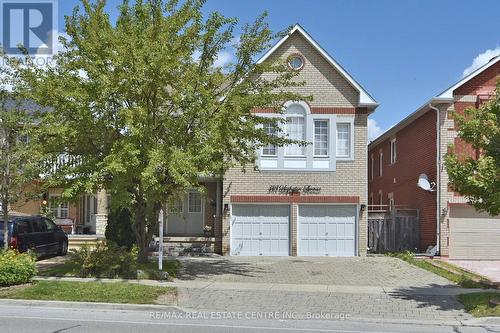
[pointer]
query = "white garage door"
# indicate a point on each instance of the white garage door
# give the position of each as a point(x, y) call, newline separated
point(473, 235)
point(260, 230)
point(327, 230)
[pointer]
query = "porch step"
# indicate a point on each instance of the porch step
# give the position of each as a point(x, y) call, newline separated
point(187, 249)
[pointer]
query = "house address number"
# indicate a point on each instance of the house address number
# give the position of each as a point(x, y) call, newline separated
point(288, 189)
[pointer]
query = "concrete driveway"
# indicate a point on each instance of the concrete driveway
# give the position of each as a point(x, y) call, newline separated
point(373, 288)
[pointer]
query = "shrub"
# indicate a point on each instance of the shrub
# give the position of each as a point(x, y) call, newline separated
point(16, 268)
point(119, 228)
point(107, 260)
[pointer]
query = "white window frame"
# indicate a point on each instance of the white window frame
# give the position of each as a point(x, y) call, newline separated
point(194, 192)
point(328, 128)
point(391, 201)
point(304, 135)
point(269, 145)
point(380, 163)
point(381, 199)
point(394, 151)
point(309, 161)
point(372, 167)
point(58, 209)
point(350, 122)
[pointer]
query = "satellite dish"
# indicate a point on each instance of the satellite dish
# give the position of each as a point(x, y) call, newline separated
point(423, 183)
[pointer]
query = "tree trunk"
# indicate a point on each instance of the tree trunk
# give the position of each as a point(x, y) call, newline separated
point(140, 225)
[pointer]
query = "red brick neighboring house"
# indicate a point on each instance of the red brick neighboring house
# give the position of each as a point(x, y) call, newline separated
point(417, 145)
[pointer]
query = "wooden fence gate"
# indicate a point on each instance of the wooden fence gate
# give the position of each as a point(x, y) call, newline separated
point(394, 232)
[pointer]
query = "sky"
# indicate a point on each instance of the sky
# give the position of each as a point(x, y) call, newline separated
point(403, 52)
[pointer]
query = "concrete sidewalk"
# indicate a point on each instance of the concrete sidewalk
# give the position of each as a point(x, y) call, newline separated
point(54, 316)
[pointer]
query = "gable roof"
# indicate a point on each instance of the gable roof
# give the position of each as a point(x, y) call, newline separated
point(448, 93)
point(444, 97)
point(365, 100)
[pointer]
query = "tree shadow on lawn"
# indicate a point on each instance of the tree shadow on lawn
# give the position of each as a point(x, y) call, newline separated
point(205, 268)
point(440, 297)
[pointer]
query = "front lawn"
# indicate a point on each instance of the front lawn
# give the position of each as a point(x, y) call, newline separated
point(477, 304)
point(148, 270)
point(457, 275)
point(118, 292)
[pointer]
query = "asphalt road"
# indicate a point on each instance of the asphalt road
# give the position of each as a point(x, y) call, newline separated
point(60, 318)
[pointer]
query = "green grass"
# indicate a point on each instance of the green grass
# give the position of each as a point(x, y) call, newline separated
point(463, 278)
point(477, 304)
point(149, 270)
point(118, 292)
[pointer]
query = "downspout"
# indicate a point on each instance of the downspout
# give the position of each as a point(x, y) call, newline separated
point(438, 178)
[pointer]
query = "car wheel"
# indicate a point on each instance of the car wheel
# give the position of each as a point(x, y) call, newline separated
point(31, 250)
point(63, 248)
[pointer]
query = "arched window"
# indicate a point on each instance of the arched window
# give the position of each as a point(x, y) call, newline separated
point(295, 129)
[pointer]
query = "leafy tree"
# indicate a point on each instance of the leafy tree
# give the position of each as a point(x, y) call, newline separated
point(141, 107)
point(17, 164)
point(119, 228)
point(478, 179)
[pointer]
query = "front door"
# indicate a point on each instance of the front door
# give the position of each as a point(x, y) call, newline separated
point(187, 217)
point(89, 211)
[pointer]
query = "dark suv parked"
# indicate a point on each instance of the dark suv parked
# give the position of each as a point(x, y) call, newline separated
point(36, 233)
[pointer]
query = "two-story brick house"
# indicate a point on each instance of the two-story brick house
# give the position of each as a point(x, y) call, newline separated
point(417, 145)
point(296, 200)
point(307, 200)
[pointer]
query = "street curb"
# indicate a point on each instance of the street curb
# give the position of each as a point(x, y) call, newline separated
point(483, 321)
point(89, 305)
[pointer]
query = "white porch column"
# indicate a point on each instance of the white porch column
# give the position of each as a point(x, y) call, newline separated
point(101, 218)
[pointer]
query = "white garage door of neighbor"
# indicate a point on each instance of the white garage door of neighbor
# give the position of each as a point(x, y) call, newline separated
point(473, 235)
point(260, 230)
point(327, 230)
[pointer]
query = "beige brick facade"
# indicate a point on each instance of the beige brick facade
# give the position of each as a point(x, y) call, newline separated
point(329, 89)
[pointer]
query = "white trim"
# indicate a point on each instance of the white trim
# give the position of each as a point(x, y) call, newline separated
point(372, 167)
point(448, 93)
point(446, 97)
point(303, 104)
point(277, 163)
point(364, 98)
point(350, 121)
point(394, 151)
point(328, 128)
point(380, 163)
point(58, 208)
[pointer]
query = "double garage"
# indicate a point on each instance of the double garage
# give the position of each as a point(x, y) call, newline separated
point(266, 230)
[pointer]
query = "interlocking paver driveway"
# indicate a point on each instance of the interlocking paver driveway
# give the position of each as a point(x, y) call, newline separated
point(406, 293)
point(357, 271)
